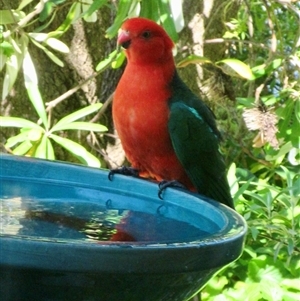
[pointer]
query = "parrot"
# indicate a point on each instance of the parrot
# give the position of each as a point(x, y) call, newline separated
point(167, 132)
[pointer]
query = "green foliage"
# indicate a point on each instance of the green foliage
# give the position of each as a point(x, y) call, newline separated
point(266, 186)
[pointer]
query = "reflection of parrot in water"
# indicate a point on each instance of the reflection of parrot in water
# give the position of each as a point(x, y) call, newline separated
point(166, 131)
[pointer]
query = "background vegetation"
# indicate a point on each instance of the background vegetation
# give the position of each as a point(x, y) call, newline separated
point(59, 69)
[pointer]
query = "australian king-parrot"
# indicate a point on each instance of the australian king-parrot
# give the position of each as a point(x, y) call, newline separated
point(166, 131)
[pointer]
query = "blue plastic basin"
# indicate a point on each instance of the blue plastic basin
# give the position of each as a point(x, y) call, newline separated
point(171, 249)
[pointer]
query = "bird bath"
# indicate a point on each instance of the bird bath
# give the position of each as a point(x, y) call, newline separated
point(68, 233)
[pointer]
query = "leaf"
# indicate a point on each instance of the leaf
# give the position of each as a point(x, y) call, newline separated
point(12, 141)
point(123, 9)
point(167, 20)
point(97, 4)
point(77, 150)
point(7, 50)
point(149, 9)
point(23, 148)
point(12, 69)
point(18, 122)
point(57, 45)
point(193, 59)
point(236, 68)
point(67, 22)
point(83, 126)
point(23, 4)
point(76, 115)
point(118, 62)
point(106, 62)
point(41, 149)
point(8, 16)
point(38, 36)
point(53, 57)
point(30, 78)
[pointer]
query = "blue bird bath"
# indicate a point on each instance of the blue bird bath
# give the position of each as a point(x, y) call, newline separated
point(68, 233)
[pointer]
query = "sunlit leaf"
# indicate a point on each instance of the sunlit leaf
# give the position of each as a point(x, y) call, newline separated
point(118, 62)
point(96, 4)
point(6, 49)
point(18, 122)
point(22, 148)
point(193, 59)
point(76, 115)
point(53, 57)
point(23, 4)
point(12, 141)
point(41, 148)
point(150, 9)
point(83, 126)
point(67, 22)
point(167, 20)
point(106, 62)
point(57, 45)
point(12, 69)
point(47, 10)
point(38, 36)
point(234, 67)
point(77, 150)
point(123, 9)
point(30, 78)
point(9, 16)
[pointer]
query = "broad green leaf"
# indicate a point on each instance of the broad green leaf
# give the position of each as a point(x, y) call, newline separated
point(167, 20)
point(193, 59)
point(77, 150)
point(57, 45)
point(23, 148)
point(106, 62)
point(83, 126)
point(77, 115)
point(234, 67)
point(31, 81)
point(12, 141)
point(18, 122)
point(123, 9)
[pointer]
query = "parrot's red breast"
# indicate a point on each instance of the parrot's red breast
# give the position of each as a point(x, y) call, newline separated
point(140, 105)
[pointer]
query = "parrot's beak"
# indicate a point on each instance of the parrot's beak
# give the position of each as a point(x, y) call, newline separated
point(124, 39)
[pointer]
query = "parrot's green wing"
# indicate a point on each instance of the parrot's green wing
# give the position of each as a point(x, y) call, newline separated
point(196, 143)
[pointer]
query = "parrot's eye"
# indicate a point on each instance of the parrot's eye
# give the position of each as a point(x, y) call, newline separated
point(146, 34)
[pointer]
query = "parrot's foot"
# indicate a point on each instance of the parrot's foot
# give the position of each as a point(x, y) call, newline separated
point(165, 184)
point(124, 170)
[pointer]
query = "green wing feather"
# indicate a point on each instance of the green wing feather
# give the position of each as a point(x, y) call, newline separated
point(195, 139)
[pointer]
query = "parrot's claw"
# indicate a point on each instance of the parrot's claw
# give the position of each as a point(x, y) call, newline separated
point(124, 170)
point(162, 185)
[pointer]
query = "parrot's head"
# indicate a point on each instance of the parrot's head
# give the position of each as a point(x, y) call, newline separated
point(145, 41)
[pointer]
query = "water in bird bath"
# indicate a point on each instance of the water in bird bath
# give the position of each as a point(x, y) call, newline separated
point(74, 220)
